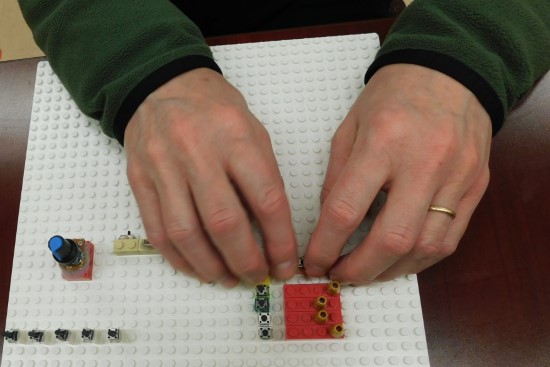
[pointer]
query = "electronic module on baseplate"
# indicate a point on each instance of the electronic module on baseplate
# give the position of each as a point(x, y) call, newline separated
point(75, 257)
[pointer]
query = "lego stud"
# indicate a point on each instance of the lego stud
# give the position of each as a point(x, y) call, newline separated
point(321, 317)
point(333, 288)
point(337, 331)
point(320, 303)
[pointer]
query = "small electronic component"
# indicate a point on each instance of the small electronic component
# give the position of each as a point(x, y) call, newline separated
point(62, 334)
point(262, 290)
point(36, 336)
point(301, 263)
point(11, 336)
point(87, 335)
point(129, 244)
point(113, 335)
point(264, 319)
point(75, 257)
point(261, 306)
point(265, 332)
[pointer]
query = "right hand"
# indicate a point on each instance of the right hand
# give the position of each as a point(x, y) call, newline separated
point(195, 155)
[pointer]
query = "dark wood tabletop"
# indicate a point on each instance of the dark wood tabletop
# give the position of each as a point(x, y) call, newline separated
point(486, 305)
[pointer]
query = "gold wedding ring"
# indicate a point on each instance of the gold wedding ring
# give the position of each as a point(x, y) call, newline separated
point(441, 209)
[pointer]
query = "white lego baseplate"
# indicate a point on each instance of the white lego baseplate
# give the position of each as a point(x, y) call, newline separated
point(75, 186)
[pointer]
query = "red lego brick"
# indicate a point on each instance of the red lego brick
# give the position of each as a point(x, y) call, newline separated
point(300, 311)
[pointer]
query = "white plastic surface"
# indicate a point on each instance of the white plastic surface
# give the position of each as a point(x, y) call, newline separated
point(75, 186)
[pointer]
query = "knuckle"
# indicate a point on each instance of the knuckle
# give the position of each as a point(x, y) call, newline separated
point(222, 221)
point(134, 173)
point(155, 150)
point(158, 239)
point(339, 137)
point(428, 248)
point(320, 259)
point(471, 163)
point(272, 201)
point(344, 215)
point(399, 241)
point(448, 249)
point(389, 126)
point(447, 144)
point(180, 232)
point(485, 178)
point(235, 121)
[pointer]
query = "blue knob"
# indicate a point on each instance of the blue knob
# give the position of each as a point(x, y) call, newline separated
point(63, 251)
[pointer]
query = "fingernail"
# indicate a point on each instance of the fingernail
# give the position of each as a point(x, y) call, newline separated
point(315, 271)
point(284, 266)
point(285, 270)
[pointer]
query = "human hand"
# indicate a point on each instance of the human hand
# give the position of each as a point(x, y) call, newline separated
point(195, 155)
point(423, 138)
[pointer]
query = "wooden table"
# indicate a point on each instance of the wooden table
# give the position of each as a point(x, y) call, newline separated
point(486, 305)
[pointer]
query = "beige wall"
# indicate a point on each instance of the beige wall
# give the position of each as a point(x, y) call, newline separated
point(15, 37)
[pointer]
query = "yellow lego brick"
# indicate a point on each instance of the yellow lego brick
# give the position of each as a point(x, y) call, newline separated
point(129, 245)
point(266, 281)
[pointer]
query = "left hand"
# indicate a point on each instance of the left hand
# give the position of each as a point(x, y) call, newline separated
point(422, 137)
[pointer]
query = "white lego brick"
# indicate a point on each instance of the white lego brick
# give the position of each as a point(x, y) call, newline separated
point(75, 185)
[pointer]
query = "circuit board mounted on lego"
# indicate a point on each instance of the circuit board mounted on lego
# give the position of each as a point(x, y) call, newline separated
point(136, 310)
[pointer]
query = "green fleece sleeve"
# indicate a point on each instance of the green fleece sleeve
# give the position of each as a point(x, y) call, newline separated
point(103, 50)
point(496, 48)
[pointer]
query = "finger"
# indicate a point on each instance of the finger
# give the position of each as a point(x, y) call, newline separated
point(265, 194)
point(340, 150)
point(461, 194)
point(226, 223)
point(149, 207)
point(185, 232)
point(466, 208)
point(429, 247)
point(394, 231)
point(344, 209)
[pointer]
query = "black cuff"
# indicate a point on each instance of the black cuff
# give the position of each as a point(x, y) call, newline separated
point(451, 67)
point(153, 81)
